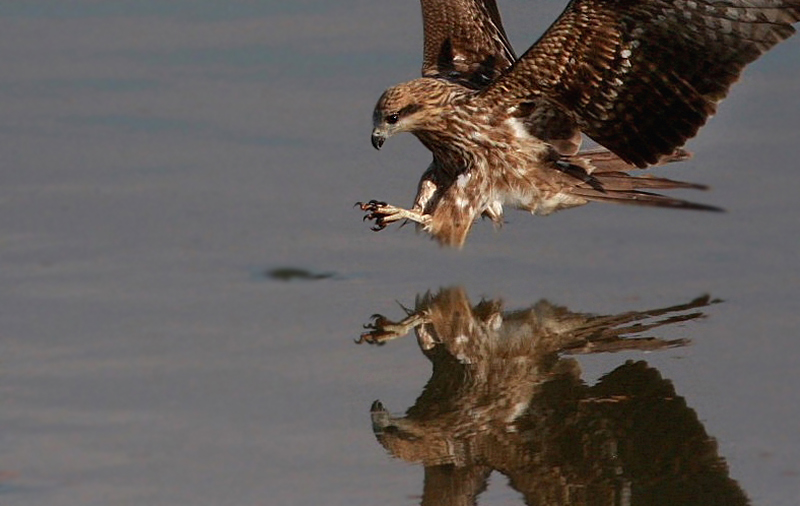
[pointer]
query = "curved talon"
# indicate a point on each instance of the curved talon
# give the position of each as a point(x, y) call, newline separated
point(381, 213)
point(372, 205)
point(369, 338)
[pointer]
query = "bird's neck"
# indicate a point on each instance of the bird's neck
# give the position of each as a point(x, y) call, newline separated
point(453, 133)
point(447, 149)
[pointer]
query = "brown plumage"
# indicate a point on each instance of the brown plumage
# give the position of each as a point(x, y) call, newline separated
point(639, 77)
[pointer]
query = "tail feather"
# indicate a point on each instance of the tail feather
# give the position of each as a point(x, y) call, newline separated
point(604, 177)
point(641, 198)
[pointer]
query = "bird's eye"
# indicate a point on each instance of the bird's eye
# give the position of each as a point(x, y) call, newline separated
point(393, 118)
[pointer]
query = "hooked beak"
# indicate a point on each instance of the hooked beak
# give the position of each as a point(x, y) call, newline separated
point(378, 138)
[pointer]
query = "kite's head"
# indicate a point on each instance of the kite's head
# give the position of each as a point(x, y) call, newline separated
point(407, 107)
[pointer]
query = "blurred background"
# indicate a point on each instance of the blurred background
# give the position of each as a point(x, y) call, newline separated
point(183, 272)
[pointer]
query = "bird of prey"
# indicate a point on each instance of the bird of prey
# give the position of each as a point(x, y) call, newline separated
point(639, 77)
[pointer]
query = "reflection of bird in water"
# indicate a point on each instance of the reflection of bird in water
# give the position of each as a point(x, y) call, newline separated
point(503, 398)
point(640, 77)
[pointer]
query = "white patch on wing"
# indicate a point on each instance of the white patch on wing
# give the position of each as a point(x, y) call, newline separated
point(516, 411)
point(518, 128)
point(463, 179)
point(477, 135)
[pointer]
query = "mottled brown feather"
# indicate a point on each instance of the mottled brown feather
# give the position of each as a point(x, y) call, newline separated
point(464, 41)
point(642, 76)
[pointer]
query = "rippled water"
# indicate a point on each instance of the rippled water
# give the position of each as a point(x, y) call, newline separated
point(184, 280)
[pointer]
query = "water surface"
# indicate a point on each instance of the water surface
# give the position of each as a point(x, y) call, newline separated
point(184, 275)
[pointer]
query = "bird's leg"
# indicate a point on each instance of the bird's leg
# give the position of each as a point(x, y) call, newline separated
point(426, 191)
point(424, 203)
point(383, 214)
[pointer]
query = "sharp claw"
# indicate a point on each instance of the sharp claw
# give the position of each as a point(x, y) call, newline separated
point(374, 212)
point(372, 205)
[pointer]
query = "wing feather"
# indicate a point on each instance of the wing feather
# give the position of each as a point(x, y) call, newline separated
point(465, 41)
point(641, 77)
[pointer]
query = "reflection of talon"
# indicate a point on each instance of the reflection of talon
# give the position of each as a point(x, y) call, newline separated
point(383, 214)
point(381, 329)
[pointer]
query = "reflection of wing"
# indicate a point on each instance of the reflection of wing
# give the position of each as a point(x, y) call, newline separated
point(642, 76)
point(479, 334)
point(464, 41)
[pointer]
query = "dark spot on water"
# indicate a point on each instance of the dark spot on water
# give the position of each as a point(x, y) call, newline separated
point(295, 273)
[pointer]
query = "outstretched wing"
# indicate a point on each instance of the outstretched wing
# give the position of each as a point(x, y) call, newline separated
point(642, 76)
point(464, 41)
